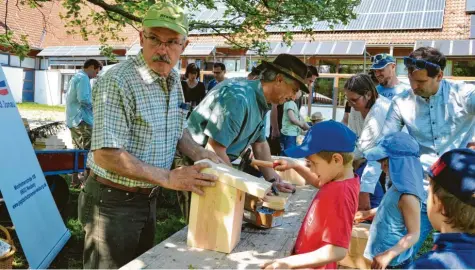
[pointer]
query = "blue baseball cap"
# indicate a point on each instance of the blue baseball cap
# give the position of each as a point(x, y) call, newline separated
point(381, 60)
point(398, 144)
point(328, 136)
point(455, 172)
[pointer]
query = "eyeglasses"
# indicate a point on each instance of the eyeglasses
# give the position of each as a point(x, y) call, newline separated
point(379, 57)
point(157, 42)
point(354, 101)
point(420, 64)
point(217, 72)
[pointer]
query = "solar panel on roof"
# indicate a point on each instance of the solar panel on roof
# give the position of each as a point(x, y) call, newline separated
point(433, 19)
point(393, 21)
point(379, 6)
point(310, 48)
point(412, 20)
point(397, 5)
point(374, 21)
point(435, 5)
point(357, 48)
point(415, 5)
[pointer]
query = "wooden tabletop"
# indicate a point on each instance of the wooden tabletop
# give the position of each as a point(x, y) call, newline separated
point(255, 247)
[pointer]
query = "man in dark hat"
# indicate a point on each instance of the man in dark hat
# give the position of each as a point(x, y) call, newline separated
point(232, 116)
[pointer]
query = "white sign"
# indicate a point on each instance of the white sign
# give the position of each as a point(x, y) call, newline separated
point(37, 221)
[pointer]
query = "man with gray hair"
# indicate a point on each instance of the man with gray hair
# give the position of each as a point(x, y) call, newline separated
point(139, 122)
point(232, 116)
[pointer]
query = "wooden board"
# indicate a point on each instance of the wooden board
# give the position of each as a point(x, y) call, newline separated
point(277, 202)
point(216, 218)
point(359, 238)
point(256, 245)
point(292, 176)
point(240, 180)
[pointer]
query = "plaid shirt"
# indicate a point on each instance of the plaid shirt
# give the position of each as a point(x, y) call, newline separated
point(134, 111)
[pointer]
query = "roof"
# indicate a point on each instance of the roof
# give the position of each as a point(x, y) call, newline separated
point(450, 47)
point(49, 29)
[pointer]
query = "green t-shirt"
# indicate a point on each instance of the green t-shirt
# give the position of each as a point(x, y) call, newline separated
point(289, 128)
point(233, 114)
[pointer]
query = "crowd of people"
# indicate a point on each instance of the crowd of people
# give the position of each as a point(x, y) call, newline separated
point(401, 159)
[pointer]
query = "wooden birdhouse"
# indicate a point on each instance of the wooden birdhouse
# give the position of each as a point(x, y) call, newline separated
point(216, 218)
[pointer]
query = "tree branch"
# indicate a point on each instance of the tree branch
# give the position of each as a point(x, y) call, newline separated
point(116, 9)
point(6, 15)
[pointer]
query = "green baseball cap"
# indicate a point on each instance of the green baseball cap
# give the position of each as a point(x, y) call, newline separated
point(167, 15)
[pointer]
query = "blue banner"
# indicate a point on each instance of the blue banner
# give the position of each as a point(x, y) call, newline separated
point(37, 221)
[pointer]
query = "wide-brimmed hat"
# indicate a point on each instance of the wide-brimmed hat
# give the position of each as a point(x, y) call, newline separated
point(290, 66)
point(316, 116)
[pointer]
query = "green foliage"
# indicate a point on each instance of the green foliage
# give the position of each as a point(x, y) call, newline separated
point(243, 24)
point(39, 107)
point(17, 46)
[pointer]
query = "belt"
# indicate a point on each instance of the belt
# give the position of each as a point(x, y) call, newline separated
point(109, 183)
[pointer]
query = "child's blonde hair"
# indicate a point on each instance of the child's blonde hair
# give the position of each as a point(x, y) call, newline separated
point(327, 156)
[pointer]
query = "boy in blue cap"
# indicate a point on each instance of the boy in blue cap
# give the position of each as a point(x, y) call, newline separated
point(325, 234)
point(396, 226)
point(451, 211)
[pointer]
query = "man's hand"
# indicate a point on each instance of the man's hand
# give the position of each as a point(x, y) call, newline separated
point(364, 202)
point(190, 178)
point(275, 264)
point(471, 145)
point(284, 187)
point(207, 154)
point(381, 261)
point(284, 164)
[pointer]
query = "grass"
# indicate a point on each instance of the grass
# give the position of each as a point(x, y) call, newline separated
point(40, 107)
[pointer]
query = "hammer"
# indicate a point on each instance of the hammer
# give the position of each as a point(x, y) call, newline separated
point(246, 160)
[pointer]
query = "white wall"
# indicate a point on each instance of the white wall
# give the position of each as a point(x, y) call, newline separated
point(15, 81)
point(47, 87)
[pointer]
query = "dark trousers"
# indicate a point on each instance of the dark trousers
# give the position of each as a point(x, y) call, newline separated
point(119, 225)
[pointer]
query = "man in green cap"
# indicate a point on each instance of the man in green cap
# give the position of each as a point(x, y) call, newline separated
point(139, 123)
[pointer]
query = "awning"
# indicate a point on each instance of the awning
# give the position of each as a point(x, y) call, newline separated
point(71, 51)
point(309, 48)
point(193, 49)
point(198, 49)
point(450, 47)
point(134, 50)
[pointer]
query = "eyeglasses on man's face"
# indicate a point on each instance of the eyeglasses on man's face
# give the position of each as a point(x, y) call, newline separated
point(155, 41)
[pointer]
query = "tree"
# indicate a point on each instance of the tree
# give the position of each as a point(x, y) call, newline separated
point(243, 24)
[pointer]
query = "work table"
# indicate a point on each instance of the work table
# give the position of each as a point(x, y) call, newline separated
point(255, 246)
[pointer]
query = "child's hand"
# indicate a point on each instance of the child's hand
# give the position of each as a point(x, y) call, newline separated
point(362, 216)
point(284, 164)
point(381, 261)
point(275, 264)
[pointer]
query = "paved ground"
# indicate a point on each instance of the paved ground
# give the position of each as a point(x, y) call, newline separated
point(37, 118)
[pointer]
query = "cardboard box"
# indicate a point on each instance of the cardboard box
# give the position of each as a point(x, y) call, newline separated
point(354, 258)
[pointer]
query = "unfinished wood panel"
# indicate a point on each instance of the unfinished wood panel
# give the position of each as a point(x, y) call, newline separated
point(292, 176)
point(240, 180)
point(216, 218)
point(355, 258)
point(256, 245)
point(278, 202)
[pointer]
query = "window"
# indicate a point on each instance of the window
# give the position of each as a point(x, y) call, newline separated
point(464, 68)
point(353, 66)
point(232, 64)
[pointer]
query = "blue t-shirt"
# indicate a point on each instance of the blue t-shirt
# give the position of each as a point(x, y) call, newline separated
point(212, 84)
point(391, 92)
point(452, 251)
